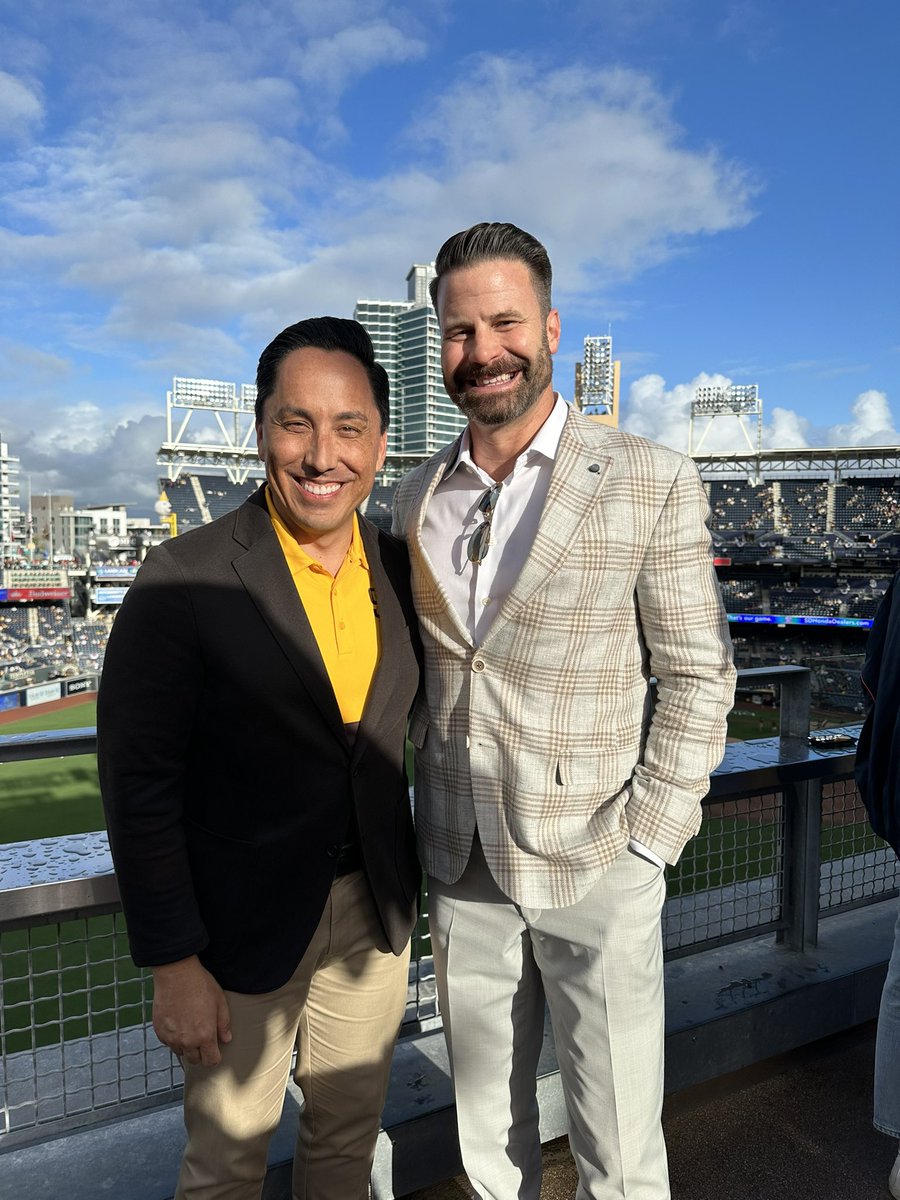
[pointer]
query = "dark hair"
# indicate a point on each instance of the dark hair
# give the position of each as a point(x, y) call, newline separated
point(490, 240)
point(323, 333)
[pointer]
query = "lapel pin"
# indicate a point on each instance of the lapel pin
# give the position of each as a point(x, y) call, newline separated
point(594, 467)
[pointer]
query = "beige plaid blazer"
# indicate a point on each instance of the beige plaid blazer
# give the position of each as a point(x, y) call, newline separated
point(543, 734)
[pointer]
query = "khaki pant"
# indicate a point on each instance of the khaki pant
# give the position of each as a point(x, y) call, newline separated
point(341, 1010)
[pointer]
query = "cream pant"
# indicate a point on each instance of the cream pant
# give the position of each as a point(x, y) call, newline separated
point(341, 1010)
point(598, 965)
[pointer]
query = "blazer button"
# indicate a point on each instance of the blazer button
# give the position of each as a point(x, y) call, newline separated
point(478, 664)
point(333, 851)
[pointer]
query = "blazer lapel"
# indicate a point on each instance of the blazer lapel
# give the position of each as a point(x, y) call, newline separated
point(392, 627)
point(262, 569)
point(579, 473)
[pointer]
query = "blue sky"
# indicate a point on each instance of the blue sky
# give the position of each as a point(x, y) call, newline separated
point(716, 182)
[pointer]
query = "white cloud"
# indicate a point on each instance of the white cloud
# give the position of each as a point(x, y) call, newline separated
point(787, 430)
point(663, 415)
point(191, 203)
point(21, 107)
point(106, 463)
point(591, 158)
point(872, 423)
point(751, 26)
point(195, 206)
point(632, 194)
point(29, 367)
point(326, 65)
point(74, 428)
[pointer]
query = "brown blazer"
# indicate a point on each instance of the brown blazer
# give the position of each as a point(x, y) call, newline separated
point(227, 777)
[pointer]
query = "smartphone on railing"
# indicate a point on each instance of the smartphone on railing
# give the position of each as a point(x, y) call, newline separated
point(830, 741)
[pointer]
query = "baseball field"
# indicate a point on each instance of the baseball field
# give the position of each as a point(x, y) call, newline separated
point(51, 796)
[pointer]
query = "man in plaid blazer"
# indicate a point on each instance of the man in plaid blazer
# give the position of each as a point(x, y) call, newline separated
point(557, 564)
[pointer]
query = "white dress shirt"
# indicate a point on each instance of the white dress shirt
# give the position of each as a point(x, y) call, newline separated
point(477, 590)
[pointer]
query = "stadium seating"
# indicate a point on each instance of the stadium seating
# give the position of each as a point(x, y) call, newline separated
point(810, 547)
point(223, 496)
point(741, 506)
point(46, 636)
point(378, 506)
point(867, 506)
point(804, 600)
point(198, 499)
point(180, 493)
point(741, 596)
point(804, 506)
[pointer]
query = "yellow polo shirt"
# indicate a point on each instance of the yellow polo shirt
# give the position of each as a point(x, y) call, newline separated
point(341, 611)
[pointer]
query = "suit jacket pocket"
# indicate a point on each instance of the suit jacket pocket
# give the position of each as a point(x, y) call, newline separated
point(586, 771)
point(590, 782)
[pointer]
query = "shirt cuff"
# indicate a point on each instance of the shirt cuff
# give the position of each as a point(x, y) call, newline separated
point(641, 851)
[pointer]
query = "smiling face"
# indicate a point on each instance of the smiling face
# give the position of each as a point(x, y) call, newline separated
point(320, 439)
point(496, 343)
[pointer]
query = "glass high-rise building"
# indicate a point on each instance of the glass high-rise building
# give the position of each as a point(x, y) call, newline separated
point(407, 343)
point(10, 514)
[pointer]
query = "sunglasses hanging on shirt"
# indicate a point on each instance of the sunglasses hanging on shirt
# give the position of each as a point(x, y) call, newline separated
point(480, 541)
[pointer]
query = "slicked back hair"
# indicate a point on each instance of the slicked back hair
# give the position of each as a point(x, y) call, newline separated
point(323, 333)
point(492, 240)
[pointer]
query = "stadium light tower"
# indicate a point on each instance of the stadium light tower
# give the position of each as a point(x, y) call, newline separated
point(597, 385)
point(230, 446)
point(735, 400)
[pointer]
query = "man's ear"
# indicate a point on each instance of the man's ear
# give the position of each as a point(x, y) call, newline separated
point(553, 330)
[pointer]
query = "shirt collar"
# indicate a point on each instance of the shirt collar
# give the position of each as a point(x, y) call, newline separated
point(297, 558)
point(545, 442)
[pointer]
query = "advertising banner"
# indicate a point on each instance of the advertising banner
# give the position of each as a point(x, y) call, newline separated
point(108, 572)
point(779, 619)
point(109, 595)
point(8, 700)
point(75, 687)
point(43, 693)
point(45, 593)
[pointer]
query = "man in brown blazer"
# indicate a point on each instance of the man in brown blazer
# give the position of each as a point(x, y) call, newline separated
point(557, 565)
point(251, 721)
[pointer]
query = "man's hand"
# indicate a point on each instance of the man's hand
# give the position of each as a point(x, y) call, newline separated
point(190, 1012)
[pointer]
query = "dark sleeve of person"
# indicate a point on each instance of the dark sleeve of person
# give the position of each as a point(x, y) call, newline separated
point(877, 767)
point(149, 697)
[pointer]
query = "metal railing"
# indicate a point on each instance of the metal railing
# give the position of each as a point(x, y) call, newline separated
point(784, 844)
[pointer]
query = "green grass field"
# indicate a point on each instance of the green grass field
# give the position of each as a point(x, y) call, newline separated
point(80, 959)
point(75, 716)
point(52, 796)
point(746, 723)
